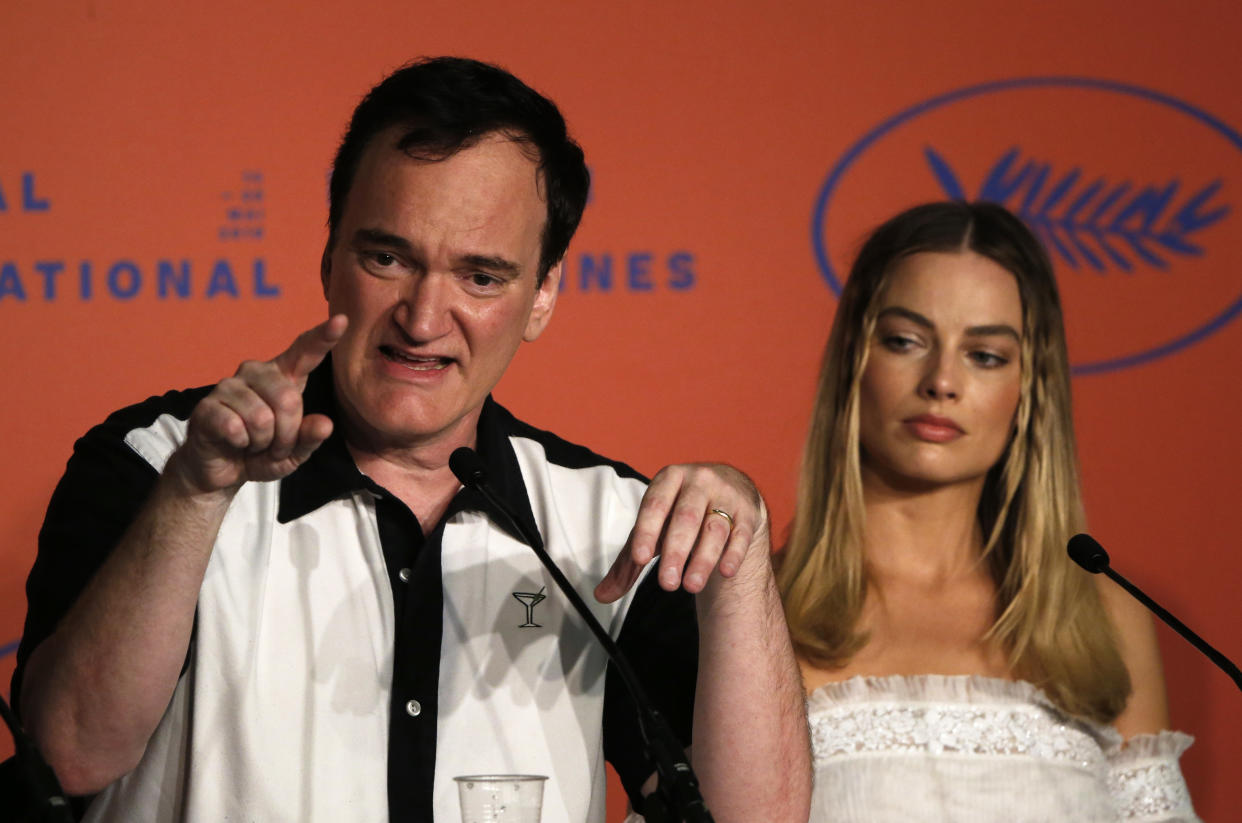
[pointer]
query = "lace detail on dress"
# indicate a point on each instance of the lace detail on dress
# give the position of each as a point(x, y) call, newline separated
point(948, 715)
point(1145, 779)
point(945, 748)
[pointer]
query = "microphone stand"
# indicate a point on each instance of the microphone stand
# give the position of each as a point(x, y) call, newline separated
point(677, 798)
point(1086, 552)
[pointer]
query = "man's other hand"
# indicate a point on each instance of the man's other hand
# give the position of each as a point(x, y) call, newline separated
point(696, 518)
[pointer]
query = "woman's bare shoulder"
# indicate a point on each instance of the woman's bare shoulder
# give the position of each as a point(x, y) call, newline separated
point(1147, 710)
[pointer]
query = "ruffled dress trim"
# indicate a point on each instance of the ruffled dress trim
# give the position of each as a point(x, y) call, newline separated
point(950, 714)
point(1160, 746)
point(1146, 781)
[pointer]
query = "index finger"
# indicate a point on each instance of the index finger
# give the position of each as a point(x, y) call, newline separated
point(310, 347)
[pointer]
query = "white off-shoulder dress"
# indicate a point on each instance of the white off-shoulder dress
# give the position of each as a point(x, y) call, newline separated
point(968, 749)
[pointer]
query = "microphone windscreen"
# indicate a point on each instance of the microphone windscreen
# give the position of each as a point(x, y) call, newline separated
point(468, 466)
point(1086, 552)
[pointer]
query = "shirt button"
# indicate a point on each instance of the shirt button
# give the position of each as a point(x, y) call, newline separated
point(413, 708)
point(404, 574)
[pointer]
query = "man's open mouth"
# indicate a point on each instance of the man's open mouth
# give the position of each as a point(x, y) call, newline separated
point(415, 362)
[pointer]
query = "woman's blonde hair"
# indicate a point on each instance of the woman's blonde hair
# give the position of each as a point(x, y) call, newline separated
point(1050, 622)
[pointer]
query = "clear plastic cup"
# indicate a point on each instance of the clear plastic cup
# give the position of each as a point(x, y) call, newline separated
point(500, 798)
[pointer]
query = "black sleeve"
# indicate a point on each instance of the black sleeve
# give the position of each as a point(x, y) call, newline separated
point(660, 638)
point(104, 485)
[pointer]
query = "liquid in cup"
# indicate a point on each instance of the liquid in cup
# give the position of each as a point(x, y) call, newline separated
point(500, 798)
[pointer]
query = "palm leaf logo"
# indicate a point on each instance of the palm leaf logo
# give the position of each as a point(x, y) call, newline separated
point(1099, 225)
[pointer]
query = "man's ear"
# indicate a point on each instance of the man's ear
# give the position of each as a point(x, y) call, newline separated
point(325, 268)
point(545, 302)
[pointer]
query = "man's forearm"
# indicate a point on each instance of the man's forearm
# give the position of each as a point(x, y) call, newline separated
point(751, 744)
point(94, 691)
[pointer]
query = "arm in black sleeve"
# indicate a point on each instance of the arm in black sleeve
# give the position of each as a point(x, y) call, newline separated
point(660, 639)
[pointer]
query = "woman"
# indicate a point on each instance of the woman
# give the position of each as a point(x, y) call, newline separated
point(958, 665)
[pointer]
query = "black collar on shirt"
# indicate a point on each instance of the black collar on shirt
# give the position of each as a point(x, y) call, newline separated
point(330, 473)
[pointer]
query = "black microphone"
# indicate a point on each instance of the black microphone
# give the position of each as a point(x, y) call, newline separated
point(1086, 552)
point(468, 467)
point(677, 784)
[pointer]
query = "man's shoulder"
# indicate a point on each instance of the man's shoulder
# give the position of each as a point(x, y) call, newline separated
point(177, 403)
point(564, 453)
point(158, 418)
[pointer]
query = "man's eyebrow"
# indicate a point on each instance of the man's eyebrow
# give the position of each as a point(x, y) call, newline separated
point(487, 262)
point(989, 330)
point(492, 263)
point(378, 237)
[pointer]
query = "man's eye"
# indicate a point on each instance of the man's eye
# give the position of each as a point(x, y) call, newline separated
point(381, 263)
point(483, 280)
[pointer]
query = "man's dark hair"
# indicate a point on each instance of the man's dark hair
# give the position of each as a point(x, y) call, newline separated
point(447, 104)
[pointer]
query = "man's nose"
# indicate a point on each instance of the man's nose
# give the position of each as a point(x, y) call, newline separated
point(425, 309)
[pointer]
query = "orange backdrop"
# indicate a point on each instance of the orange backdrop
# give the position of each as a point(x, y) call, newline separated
point(162, 203)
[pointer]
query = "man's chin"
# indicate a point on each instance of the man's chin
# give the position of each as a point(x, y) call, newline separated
point(429, 426)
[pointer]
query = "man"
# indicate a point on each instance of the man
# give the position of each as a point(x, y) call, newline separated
point(271, 599)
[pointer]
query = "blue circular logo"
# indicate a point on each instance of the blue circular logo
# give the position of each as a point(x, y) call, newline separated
point(1116, 238)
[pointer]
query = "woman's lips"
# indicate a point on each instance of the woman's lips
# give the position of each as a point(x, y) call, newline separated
point(933, 429)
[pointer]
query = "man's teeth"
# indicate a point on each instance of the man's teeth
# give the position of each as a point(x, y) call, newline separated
point(419, 363)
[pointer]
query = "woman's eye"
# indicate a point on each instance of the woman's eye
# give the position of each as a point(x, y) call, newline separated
point(989, 359)
point(897, 342)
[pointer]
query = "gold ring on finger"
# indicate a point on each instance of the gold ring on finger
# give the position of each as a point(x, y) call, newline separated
point(725, 515)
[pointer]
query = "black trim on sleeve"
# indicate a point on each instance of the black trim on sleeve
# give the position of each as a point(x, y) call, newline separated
point(661, 640)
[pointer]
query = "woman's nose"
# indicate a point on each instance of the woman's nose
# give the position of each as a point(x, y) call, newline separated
point(942, 381)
